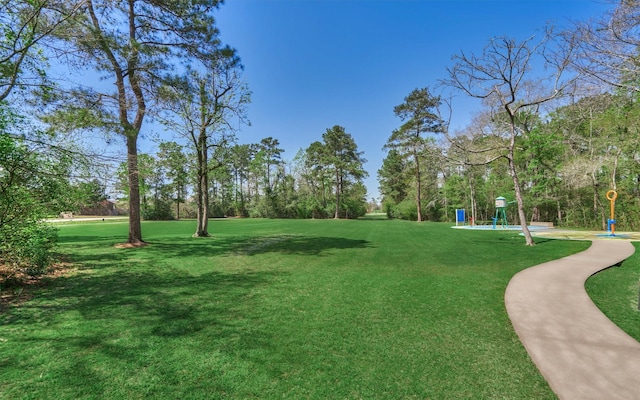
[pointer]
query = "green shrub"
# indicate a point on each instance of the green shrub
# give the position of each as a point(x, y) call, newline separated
point(34, 183)
point(26, 250)
point(405, 210)
point(353, 208)
point(162, 211)
point(40, 240)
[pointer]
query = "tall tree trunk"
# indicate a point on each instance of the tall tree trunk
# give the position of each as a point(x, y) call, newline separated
point(202, 190)
point(249, 197)
point(559, 213)
point(598, 212)
point(130, 131)
point(615, 170)
point(242, 197)
point(235, 194)
point(446, 204)
point(324, 193)
point(135, 229)
point(472, 194)
point(338, 190)
point(418, 185)
point(269, 176)
point(535, 214)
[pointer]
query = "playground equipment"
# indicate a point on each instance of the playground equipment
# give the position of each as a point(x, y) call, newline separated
point(612, 195)
point(460, 216)
point(501, 213)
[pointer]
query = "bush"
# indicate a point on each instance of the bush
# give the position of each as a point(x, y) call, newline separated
point(388, 209)
point(33, 183)
point(240, 209)
point(306, 208)
point(26, 250)
point(217, 210)
point(40, 240)
point(303, 210)
point(189, 210)
point(264, 207)
point(404, 210)
point(162, 211)
point(353, 209)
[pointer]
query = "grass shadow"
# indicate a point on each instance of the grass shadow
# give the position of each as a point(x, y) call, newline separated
point(299, 245)
point(68, 239)
point(126, 314)
point(284, 244)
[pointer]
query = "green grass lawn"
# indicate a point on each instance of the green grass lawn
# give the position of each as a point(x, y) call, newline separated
point(615, 291)
point(301, 309)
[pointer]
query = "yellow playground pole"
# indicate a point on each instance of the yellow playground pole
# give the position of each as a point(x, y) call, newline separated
point(612, 195)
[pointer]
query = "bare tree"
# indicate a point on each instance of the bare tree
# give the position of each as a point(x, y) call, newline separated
point(201, 106)
point(478, 144)
point(503, 77)
point(607, 49)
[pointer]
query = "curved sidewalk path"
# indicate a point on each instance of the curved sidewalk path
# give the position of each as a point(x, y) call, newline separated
point(578, 350)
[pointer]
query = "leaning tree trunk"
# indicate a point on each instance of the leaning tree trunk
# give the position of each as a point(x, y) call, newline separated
point(135, 229)
point(521, 215)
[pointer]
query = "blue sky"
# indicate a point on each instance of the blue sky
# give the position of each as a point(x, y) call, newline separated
point(313, 64)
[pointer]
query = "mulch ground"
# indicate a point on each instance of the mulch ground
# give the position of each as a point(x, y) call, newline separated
point(15, 289)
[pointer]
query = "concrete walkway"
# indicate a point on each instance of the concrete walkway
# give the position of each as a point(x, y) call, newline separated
point(579, 351)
